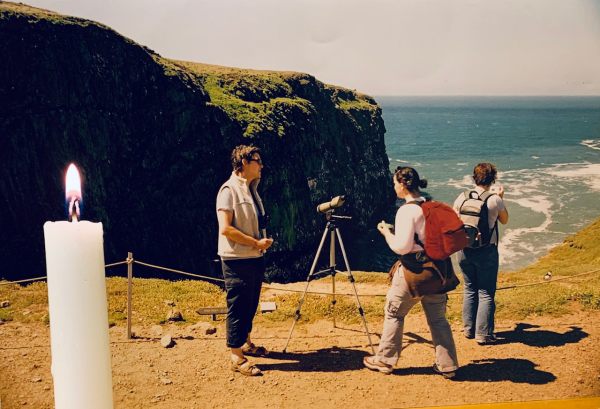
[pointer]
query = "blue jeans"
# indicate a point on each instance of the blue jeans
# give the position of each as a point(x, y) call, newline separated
point(480, 274)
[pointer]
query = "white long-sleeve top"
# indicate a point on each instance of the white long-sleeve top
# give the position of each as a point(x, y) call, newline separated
point(409, 220)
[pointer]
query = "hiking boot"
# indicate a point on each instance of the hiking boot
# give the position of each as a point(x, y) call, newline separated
point(446, 375)
point(374, 364)
point(489, 340)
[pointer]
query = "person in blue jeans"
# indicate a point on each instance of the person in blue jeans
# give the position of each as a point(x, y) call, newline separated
point(480, 265)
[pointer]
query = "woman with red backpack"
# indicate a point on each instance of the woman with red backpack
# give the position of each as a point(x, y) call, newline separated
point(409, 232)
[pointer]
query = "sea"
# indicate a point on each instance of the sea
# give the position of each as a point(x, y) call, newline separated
point(546, 149)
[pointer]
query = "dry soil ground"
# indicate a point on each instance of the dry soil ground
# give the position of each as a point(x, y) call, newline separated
point(538, 358)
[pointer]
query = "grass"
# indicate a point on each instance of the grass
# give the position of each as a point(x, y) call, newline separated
point(578, 254)
point(266, 101)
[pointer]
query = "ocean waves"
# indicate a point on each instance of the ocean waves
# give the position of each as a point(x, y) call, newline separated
point(591, 143)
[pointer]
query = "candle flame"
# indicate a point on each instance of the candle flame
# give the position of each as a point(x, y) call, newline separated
point(73, 183)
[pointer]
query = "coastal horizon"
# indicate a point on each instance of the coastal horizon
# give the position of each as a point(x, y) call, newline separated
point(547, 150)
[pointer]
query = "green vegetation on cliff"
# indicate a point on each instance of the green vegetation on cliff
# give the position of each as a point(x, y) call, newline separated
point(264, 100)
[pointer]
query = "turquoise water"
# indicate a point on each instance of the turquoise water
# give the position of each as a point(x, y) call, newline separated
point(547, 150)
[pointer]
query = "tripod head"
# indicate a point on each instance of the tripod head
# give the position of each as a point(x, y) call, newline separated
point(331, 217)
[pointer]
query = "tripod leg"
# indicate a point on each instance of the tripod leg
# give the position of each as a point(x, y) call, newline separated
point(332, 266)
point(301, 301)
point(351, 278)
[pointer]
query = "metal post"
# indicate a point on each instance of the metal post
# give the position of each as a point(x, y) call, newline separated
point(129, 285)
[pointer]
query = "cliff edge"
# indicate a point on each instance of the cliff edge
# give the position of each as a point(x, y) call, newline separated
point(152, 138)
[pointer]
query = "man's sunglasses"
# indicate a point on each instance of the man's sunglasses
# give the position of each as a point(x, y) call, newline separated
point(259, 161)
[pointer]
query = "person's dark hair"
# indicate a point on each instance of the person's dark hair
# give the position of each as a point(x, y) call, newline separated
point(410, 178)
point(240, 153)
point(484, 174)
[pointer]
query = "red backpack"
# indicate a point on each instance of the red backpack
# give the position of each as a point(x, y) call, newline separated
point(444, 231)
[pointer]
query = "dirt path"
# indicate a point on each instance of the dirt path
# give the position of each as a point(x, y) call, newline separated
point(541, 358)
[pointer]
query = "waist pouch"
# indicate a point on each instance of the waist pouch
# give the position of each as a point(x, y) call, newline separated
point(425, 276)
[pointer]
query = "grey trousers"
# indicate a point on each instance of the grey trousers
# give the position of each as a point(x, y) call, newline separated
point(398, 303)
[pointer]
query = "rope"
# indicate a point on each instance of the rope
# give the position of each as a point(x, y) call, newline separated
point(548, 281)
point(44, 277)
point(115, 264)
point(268, 287)
point(178, 271)
point(383, 295)
point(23, 281)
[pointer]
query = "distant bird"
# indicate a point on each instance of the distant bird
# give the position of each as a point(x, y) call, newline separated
point(548, 276)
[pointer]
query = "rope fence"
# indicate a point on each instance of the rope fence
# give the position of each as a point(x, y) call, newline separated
point(129, 261)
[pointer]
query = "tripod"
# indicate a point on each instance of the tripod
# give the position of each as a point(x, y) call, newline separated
point(334, 232)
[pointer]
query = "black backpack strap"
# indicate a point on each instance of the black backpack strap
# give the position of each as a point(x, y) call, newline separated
point(485, 196)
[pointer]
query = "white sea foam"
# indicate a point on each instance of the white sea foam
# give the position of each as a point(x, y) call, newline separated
point(591, 143)
point(588, 173)
point(534, 157)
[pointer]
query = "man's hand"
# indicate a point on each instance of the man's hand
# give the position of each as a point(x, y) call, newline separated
point(263, 244)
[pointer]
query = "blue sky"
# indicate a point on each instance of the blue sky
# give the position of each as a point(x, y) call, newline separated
point(380, 47)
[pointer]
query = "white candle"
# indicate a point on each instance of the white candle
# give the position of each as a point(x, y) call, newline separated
point(81, 366)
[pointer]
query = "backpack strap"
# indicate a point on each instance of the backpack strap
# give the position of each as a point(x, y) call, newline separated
point(418, 203)
point(485, 196)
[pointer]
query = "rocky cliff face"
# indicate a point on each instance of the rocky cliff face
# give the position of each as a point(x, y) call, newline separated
point(153, 137)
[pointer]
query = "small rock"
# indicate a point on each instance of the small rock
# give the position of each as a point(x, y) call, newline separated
point(167, 341)
point(166, 381)
point(231, 378)
point(174, 315)
point(4, 304)
point(203, 327)
point(169, 303)
point(46, 388)
point(36, 379)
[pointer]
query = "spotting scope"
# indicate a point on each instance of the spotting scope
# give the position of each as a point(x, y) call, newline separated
point(334, 203)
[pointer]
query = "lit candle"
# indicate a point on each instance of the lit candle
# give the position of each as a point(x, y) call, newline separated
point(80, 346)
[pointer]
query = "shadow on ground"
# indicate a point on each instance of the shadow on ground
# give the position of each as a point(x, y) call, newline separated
point(323, 360)
point(491, 370)
point(510, 369)
point(540, 338)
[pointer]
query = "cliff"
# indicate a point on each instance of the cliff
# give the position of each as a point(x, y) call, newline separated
point(153, 136)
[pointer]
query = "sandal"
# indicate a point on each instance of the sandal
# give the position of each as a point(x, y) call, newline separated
point(245, 368)
point(253, 350)
point(374, 364)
